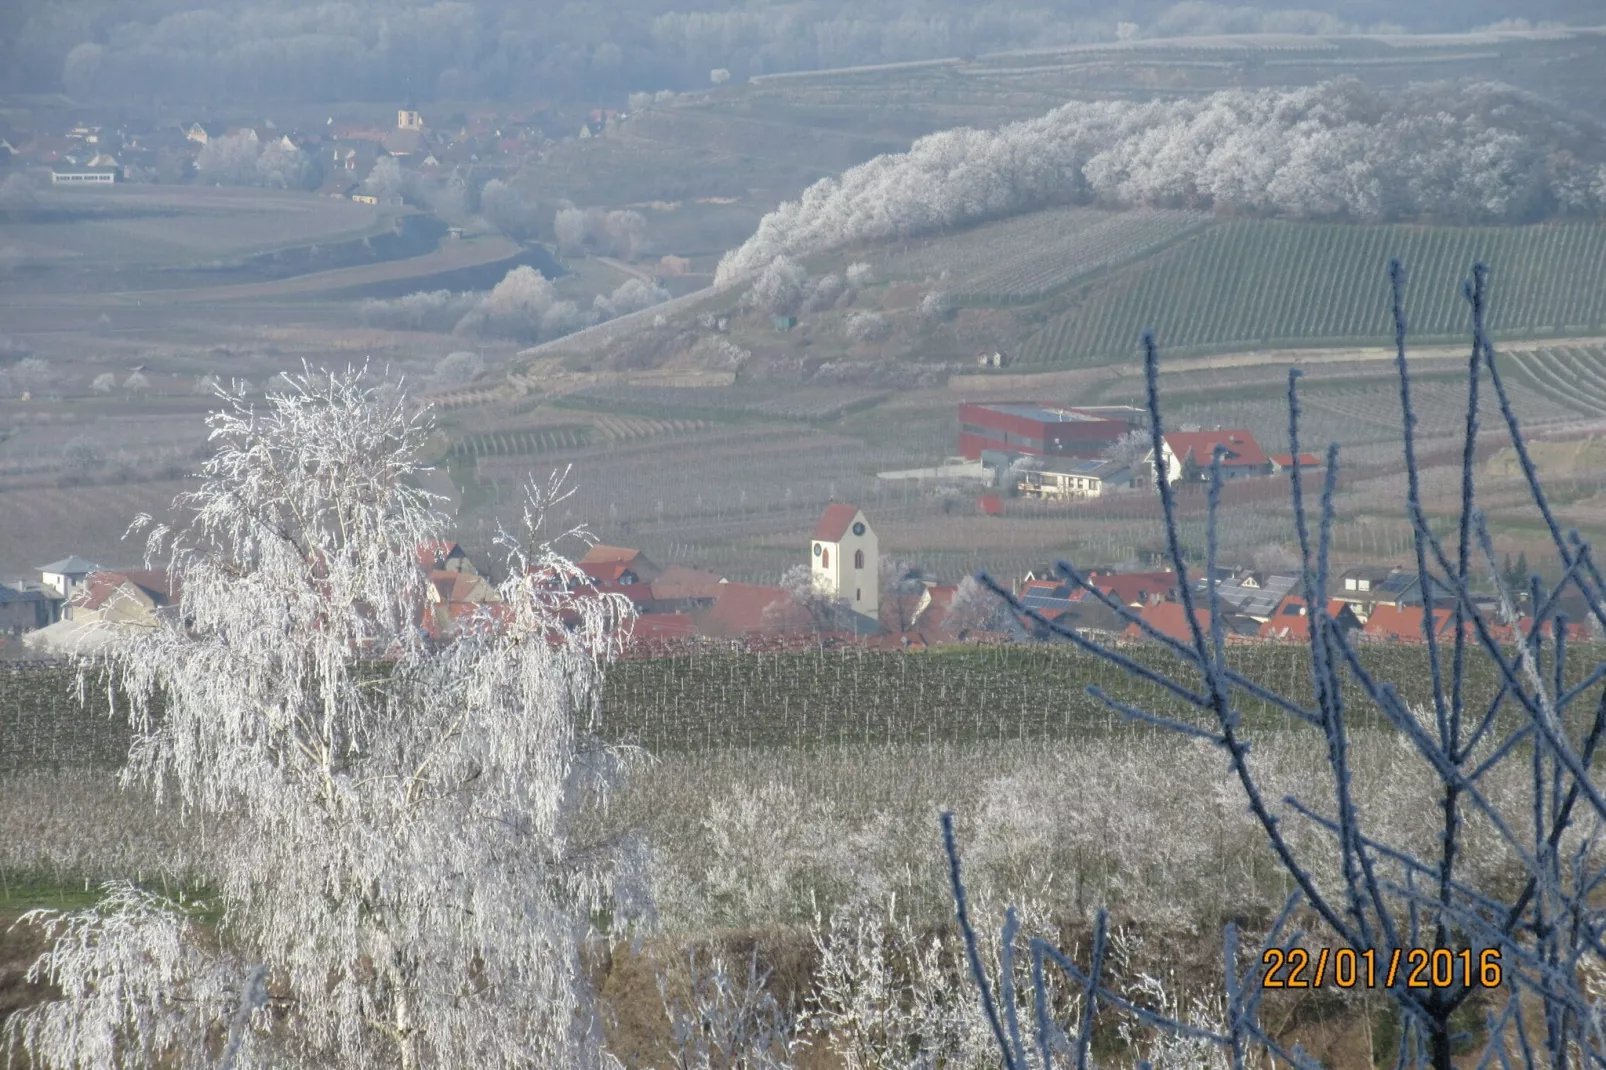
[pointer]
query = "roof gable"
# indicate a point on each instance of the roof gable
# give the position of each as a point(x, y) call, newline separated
point(835, 522)
point(1241, 449)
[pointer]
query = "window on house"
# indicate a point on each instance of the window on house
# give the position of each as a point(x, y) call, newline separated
point(858, 595)
point(858, 559)
point(1349, 583)
point(825, 558)
point(1364, 585)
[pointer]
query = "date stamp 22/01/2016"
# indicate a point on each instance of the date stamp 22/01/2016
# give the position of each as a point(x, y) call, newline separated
point(1416, 967)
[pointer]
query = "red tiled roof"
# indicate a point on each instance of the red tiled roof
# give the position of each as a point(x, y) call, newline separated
point(1290, 621)
point(99, 588)
point(1136, 588)
point(660, 627)
point(1388, 621)
point(678, 581)
point(743, 608)
point(834, 522)
point(600, 554)
point(1169, 620)
point(1241, 447)
point(991, 505)
point(605, 571)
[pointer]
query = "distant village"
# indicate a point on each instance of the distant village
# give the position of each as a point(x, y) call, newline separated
point(839, 592)
point(489, 141)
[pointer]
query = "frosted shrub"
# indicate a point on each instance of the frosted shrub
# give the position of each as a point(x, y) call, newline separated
point(891, 994)
point(400, 872)
point(459, 367)
point(868, 327)
point(724, 1019)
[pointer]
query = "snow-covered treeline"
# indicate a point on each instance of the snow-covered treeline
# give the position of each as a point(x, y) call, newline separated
point(1468, 152)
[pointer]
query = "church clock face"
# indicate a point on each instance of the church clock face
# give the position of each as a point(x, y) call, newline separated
point(817, 549)
point(858, 527)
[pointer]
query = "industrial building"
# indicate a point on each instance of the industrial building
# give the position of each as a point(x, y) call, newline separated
point(1039, 430)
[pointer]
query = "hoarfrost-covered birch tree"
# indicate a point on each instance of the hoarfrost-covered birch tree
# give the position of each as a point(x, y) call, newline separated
point(387, 816)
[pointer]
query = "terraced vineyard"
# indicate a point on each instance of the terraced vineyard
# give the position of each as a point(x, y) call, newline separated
point(1257, 283)
point(1573, 377)
point(804, 404)
point(1031, 255)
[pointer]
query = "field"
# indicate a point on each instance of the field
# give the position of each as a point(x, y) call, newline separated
point(1247, 283)
point(1024, 257)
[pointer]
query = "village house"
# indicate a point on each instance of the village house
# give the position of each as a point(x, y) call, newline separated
point(1187, 455)
point(1073, 480)
point(67, 575)
point(25, 607)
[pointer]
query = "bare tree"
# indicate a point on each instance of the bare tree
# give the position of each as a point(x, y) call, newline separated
point(1516, 934)
point(396, 883)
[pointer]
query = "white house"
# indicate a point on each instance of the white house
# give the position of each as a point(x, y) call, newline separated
point(67, 575)
point(845, 557)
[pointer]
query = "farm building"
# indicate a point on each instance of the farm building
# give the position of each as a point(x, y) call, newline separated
point(1076, 480)
point(1038, 430)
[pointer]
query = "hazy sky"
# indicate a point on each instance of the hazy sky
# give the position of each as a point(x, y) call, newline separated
point(184, 50)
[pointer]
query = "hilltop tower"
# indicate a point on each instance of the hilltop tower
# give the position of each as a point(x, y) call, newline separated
point(845, 556)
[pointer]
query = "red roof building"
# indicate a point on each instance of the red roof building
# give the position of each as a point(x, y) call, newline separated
point(1188, 455)
point(1136, 588)
point(1404, 623)
point(1039, 430)
point(1291, 619)
point(618, 564)
point(1169, 620)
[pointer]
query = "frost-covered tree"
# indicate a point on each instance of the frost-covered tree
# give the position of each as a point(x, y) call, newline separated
point(386, 180)
point(632, 295)
point(824, 611)
point(1467, 152)
point(31, 374)
point(230, 160)
point(868, 328)
point(104, 383)
point(625, 232)
point(520, 307)
point(780, 287)
point(505, 209)
point(938, 305)
point(972, 608)
point(572, 229)
point(392, 867)
point(282, 166)
point(459, 367)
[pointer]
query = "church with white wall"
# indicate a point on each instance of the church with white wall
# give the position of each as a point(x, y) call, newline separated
point(845, 556)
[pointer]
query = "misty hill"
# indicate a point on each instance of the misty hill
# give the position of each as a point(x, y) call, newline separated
point(1465, 153)
point(295, 50)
